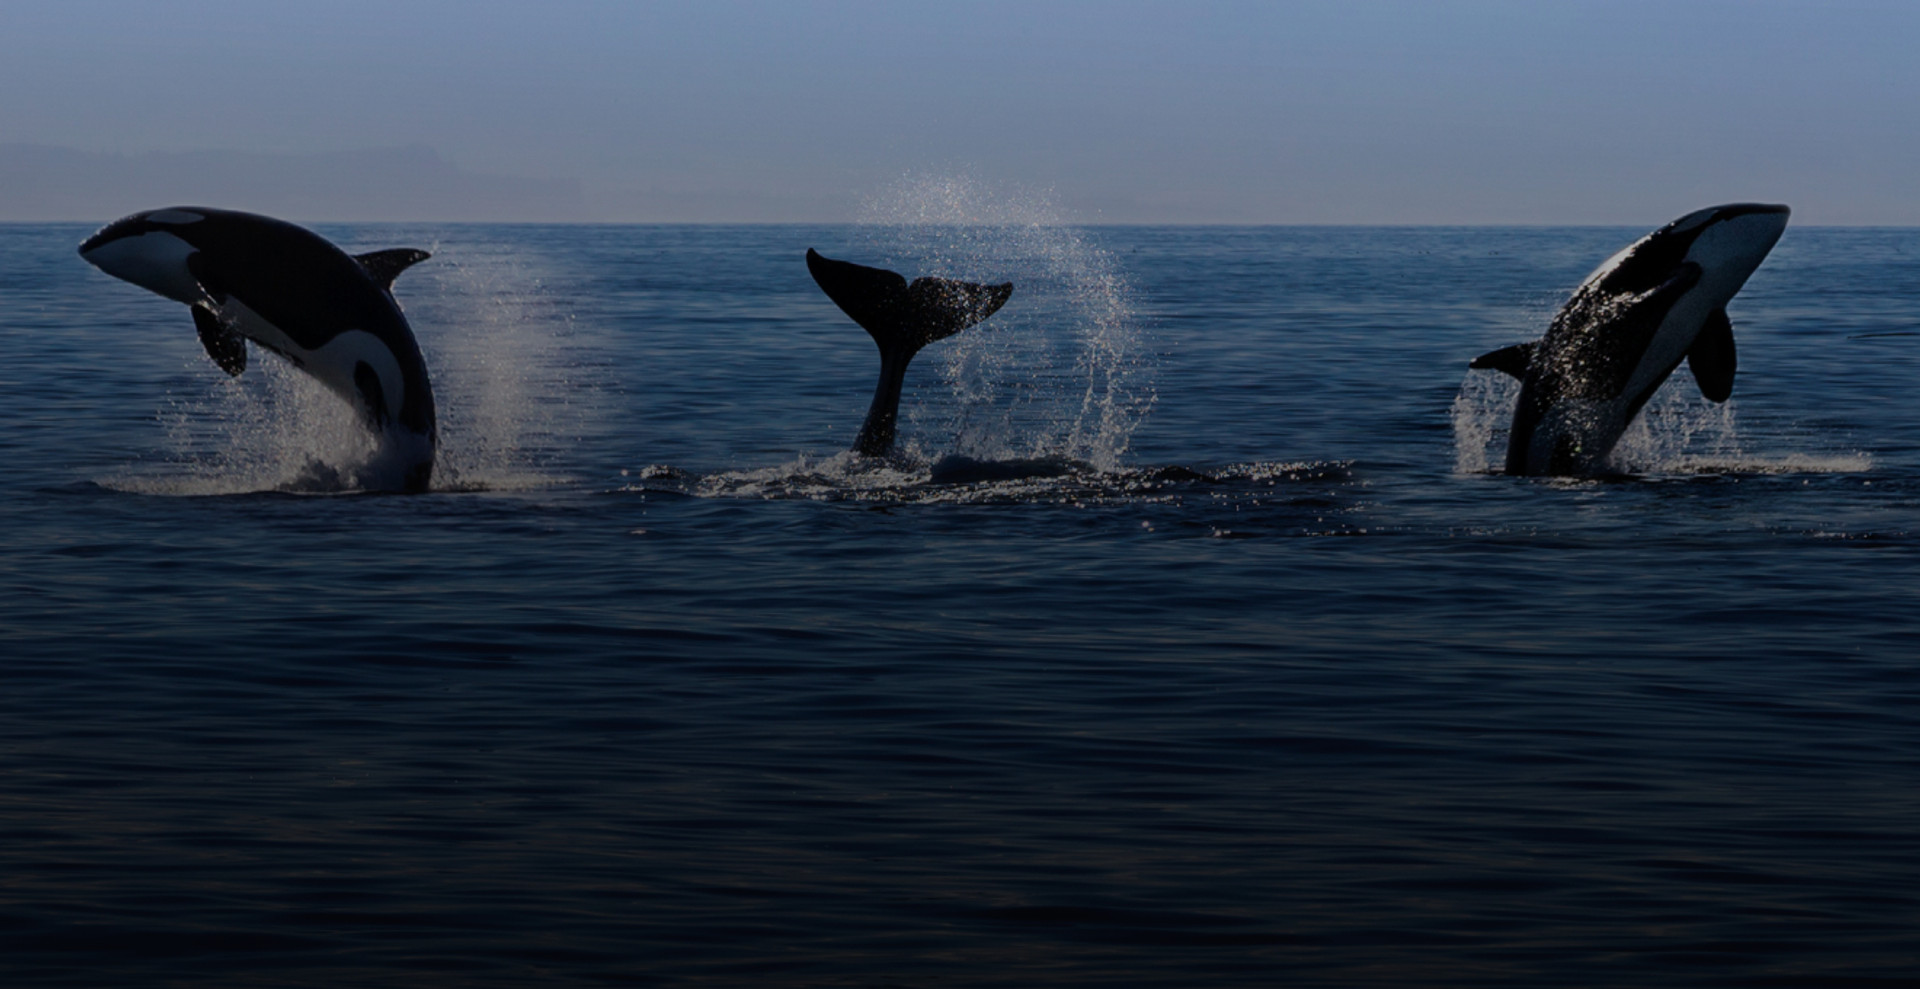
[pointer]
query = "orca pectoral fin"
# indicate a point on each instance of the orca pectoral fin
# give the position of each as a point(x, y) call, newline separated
point(945, 306)
point(384, 266)
point(202, 273)
point(1511, 360)
point(1712, 357)
point(224, 343)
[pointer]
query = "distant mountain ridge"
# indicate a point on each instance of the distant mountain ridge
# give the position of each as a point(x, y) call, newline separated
point(415, 183)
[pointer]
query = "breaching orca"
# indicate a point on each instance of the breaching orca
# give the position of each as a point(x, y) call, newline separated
point(1626, 328)
point(249, 277)
point(901, 318)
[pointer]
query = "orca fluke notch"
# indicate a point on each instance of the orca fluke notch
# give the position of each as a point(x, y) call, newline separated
point(902, 318)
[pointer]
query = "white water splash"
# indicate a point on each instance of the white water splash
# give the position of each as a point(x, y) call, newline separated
point(1062, 370)
point(493, 347)
point(844, 475)
point(1482, 411)
point(273, 428)
point(506, 389)
point(1678, 432)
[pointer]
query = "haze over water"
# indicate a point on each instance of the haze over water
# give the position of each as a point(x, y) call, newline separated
point(1275, 685)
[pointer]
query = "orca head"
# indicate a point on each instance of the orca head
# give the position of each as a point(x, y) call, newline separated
point(151, 250)
point(1727, 242)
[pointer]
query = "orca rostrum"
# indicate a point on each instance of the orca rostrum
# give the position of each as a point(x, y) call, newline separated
point(901, 318)
point(250, 277)
point(1661, 300)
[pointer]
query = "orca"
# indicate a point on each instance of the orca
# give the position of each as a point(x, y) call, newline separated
point(901, 318)
point(250, 277)
point(1659, 301)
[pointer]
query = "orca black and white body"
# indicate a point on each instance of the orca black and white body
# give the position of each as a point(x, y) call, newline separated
point(1661, 300)
point(251, 277)
point(901, 318)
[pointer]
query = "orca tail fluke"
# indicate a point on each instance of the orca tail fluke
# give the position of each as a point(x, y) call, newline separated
point(872, 297)
point(902, 316)
point(948, 306)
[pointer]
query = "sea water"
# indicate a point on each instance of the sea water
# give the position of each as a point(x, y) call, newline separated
point(1256, 673)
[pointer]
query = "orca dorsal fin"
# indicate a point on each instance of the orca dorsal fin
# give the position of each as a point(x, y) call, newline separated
point(224, 343)
point(384, 266)
point(1712, 359)
point(1511, 360)
point(897, 314)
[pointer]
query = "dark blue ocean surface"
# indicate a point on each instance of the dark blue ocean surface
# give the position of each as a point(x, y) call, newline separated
point(1261, 678)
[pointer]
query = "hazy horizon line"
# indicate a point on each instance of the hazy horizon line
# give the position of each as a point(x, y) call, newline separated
point(416, 183)
point(871, 223)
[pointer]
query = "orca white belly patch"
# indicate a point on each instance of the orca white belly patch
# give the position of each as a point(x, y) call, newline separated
point(334, 363)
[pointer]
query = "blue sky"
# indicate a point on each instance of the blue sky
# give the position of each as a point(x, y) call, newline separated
point(1358, 111)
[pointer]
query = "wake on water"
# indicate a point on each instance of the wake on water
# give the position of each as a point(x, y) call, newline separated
point(850, 477)
point(1679, 433)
